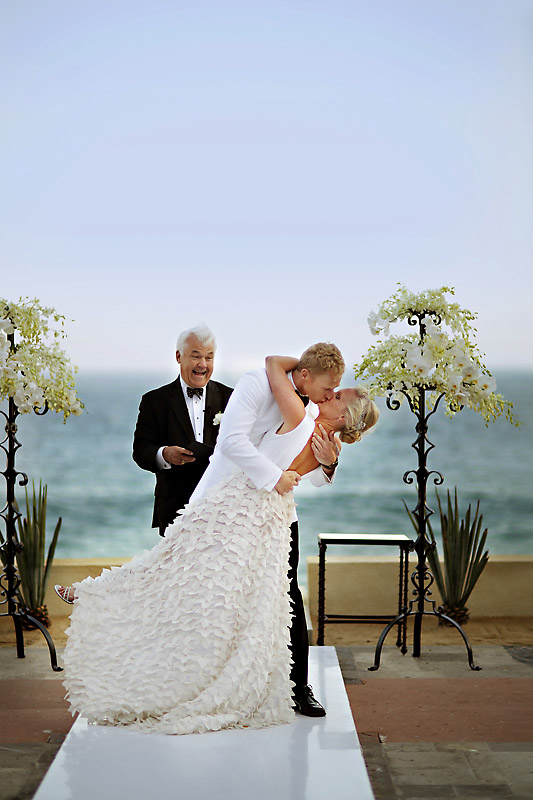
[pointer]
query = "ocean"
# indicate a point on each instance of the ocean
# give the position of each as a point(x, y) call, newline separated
point(105, 500)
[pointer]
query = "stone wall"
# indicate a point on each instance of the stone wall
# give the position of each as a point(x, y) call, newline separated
point(360, 584)
point(369, 585)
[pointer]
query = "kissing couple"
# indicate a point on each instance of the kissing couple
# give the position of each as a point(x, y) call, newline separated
point(207, 630)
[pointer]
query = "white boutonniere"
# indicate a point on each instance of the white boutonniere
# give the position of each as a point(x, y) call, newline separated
point(217, 418)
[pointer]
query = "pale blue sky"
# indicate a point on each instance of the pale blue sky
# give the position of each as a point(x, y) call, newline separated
point(271, 168)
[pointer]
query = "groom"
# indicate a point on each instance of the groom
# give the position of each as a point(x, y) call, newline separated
point(250, 413)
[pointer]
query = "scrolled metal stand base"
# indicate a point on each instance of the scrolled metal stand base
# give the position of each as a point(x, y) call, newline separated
point(17, 617)
point(418, 615)
point(422, 580)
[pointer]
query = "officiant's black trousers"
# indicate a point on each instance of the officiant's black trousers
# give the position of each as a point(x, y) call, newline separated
point(299, 638)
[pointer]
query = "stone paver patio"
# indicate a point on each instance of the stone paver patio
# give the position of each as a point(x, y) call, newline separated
point(429, 727)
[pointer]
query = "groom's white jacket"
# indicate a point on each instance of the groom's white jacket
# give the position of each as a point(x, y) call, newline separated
point(250, 413)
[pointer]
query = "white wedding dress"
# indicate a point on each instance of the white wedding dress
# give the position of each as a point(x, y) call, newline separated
point(193, 635)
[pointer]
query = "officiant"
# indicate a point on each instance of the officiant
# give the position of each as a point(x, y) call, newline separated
point(177, 425)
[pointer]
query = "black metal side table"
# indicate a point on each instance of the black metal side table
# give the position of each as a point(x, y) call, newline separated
point(384, 539)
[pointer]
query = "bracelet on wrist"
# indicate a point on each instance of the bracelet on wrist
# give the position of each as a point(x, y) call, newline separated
point(331, 466)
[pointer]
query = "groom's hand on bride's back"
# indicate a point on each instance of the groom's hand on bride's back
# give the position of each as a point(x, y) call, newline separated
point(289, 479)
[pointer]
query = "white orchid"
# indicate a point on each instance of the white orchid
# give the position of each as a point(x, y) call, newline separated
point(471, 374)
point(6, 326)
point(377, 324)
point(35, 395)
point(10, 372)
point(454, 386)
point(433, 332)
point(457, 357)
point(417, 362)
point(486, 385)
point(33, 371)
point(217, 418)
point(76, 409)
point(430, 357)
point(19, 396)
point(24, 406)
point(372, 320)
point(429, 323)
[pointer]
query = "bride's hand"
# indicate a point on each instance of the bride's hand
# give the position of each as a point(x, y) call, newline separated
point(289, 479)
point(326, 446)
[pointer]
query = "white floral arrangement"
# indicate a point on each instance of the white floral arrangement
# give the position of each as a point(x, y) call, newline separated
point(217, 418)
point(34, 370)
point(444, 362)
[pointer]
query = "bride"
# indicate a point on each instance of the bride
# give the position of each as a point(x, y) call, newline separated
point(193, 635)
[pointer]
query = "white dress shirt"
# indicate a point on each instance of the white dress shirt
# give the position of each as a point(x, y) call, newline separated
point(196, 408)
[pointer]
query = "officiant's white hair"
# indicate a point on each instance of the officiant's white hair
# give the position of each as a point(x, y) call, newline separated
point(202, 333)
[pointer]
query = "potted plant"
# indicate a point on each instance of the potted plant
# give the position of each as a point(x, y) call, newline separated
point(463, 554)
point(32, 563)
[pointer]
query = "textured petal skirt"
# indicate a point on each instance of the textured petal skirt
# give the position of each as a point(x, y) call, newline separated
point(192, 635)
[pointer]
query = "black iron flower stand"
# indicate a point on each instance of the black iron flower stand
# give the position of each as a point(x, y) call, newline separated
point(9, 578)
point(421, 578)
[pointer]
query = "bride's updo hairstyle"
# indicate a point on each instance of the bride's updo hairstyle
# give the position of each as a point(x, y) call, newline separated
point(361, 414)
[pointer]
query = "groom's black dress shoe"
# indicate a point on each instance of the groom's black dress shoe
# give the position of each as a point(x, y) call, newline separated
point(306, 703)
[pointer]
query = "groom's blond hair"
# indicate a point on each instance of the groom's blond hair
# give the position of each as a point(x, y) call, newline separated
point(322, 357)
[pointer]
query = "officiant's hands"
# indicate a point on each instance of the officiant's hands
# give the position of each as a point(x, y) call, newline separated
point(289, 479)
point(178, 455)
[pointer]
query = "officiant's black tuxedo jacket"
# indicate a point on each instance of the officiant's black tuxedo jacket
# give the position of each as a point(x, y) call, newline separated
point(164, 420)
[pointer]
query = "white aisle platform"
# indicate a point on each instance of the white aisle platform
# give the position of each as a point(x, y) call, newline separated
point(306, 760)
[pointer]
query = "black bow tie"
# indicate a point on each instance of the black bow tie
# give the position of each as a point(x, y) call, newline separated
point(192, 392)
point(303, 398)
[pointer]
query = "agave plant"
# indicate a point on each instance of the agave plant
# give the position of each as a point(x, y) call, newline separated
point(464, 556)
point(33, 567)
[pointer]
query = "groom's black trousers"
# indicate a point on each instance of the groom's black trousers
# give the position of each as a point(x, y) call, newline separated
point(299, 638)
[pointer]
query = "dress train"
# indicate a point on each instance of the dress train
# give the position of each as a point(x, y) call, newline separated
point(193, 635)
